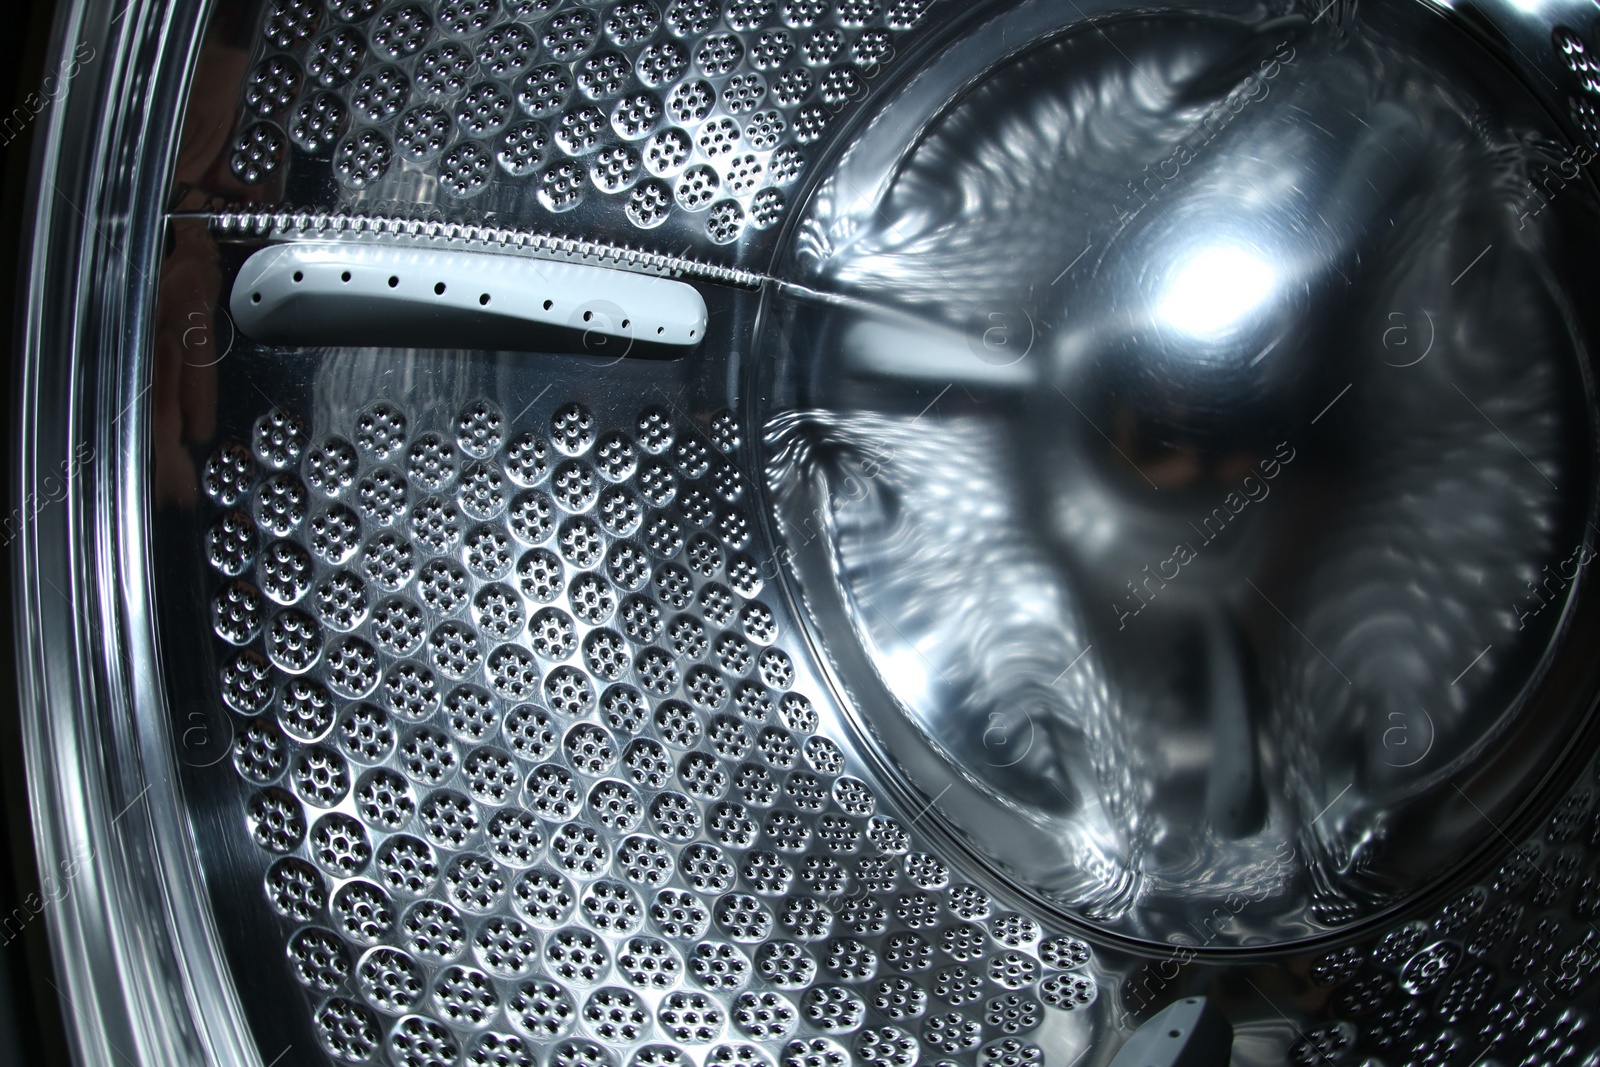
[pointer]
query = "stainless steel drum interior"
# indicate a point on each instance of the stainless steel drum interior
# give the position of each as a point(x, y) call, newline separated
point(794, 533)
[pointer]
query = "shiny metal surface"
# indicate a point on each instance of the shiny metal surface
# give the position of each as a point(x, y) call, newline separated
point(1243, 513)
point(138, 967)
point(681, 126)
point(785, 704)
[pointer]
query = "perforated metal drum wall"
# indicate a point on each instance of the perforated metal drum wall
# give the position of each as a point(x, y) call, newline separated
point(533, 774)
point(685, 125)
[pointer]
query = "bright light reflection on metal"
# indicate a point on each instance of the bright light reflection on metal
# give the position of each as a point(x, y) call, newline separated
point(1216, 290)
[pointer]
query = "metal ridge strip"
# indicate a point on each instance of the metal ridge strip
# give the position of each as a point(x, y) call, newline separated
point(289, 224)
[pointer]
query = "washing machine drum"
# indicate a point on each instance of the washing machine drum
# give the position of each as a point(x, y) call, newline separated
point(802, 533)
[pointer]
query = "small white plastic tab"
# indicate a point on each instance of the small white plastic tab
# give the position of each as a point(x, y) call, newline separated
point(341, 293)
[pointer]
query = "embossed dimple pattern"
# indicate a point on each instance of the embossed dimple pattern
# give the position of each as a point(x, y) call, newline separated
point(1502, 971)
point(738, 93)
point(526, 777)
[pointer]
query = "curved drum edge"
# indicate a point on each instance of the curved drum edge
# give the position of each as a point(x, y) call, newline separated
point(139, 973)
